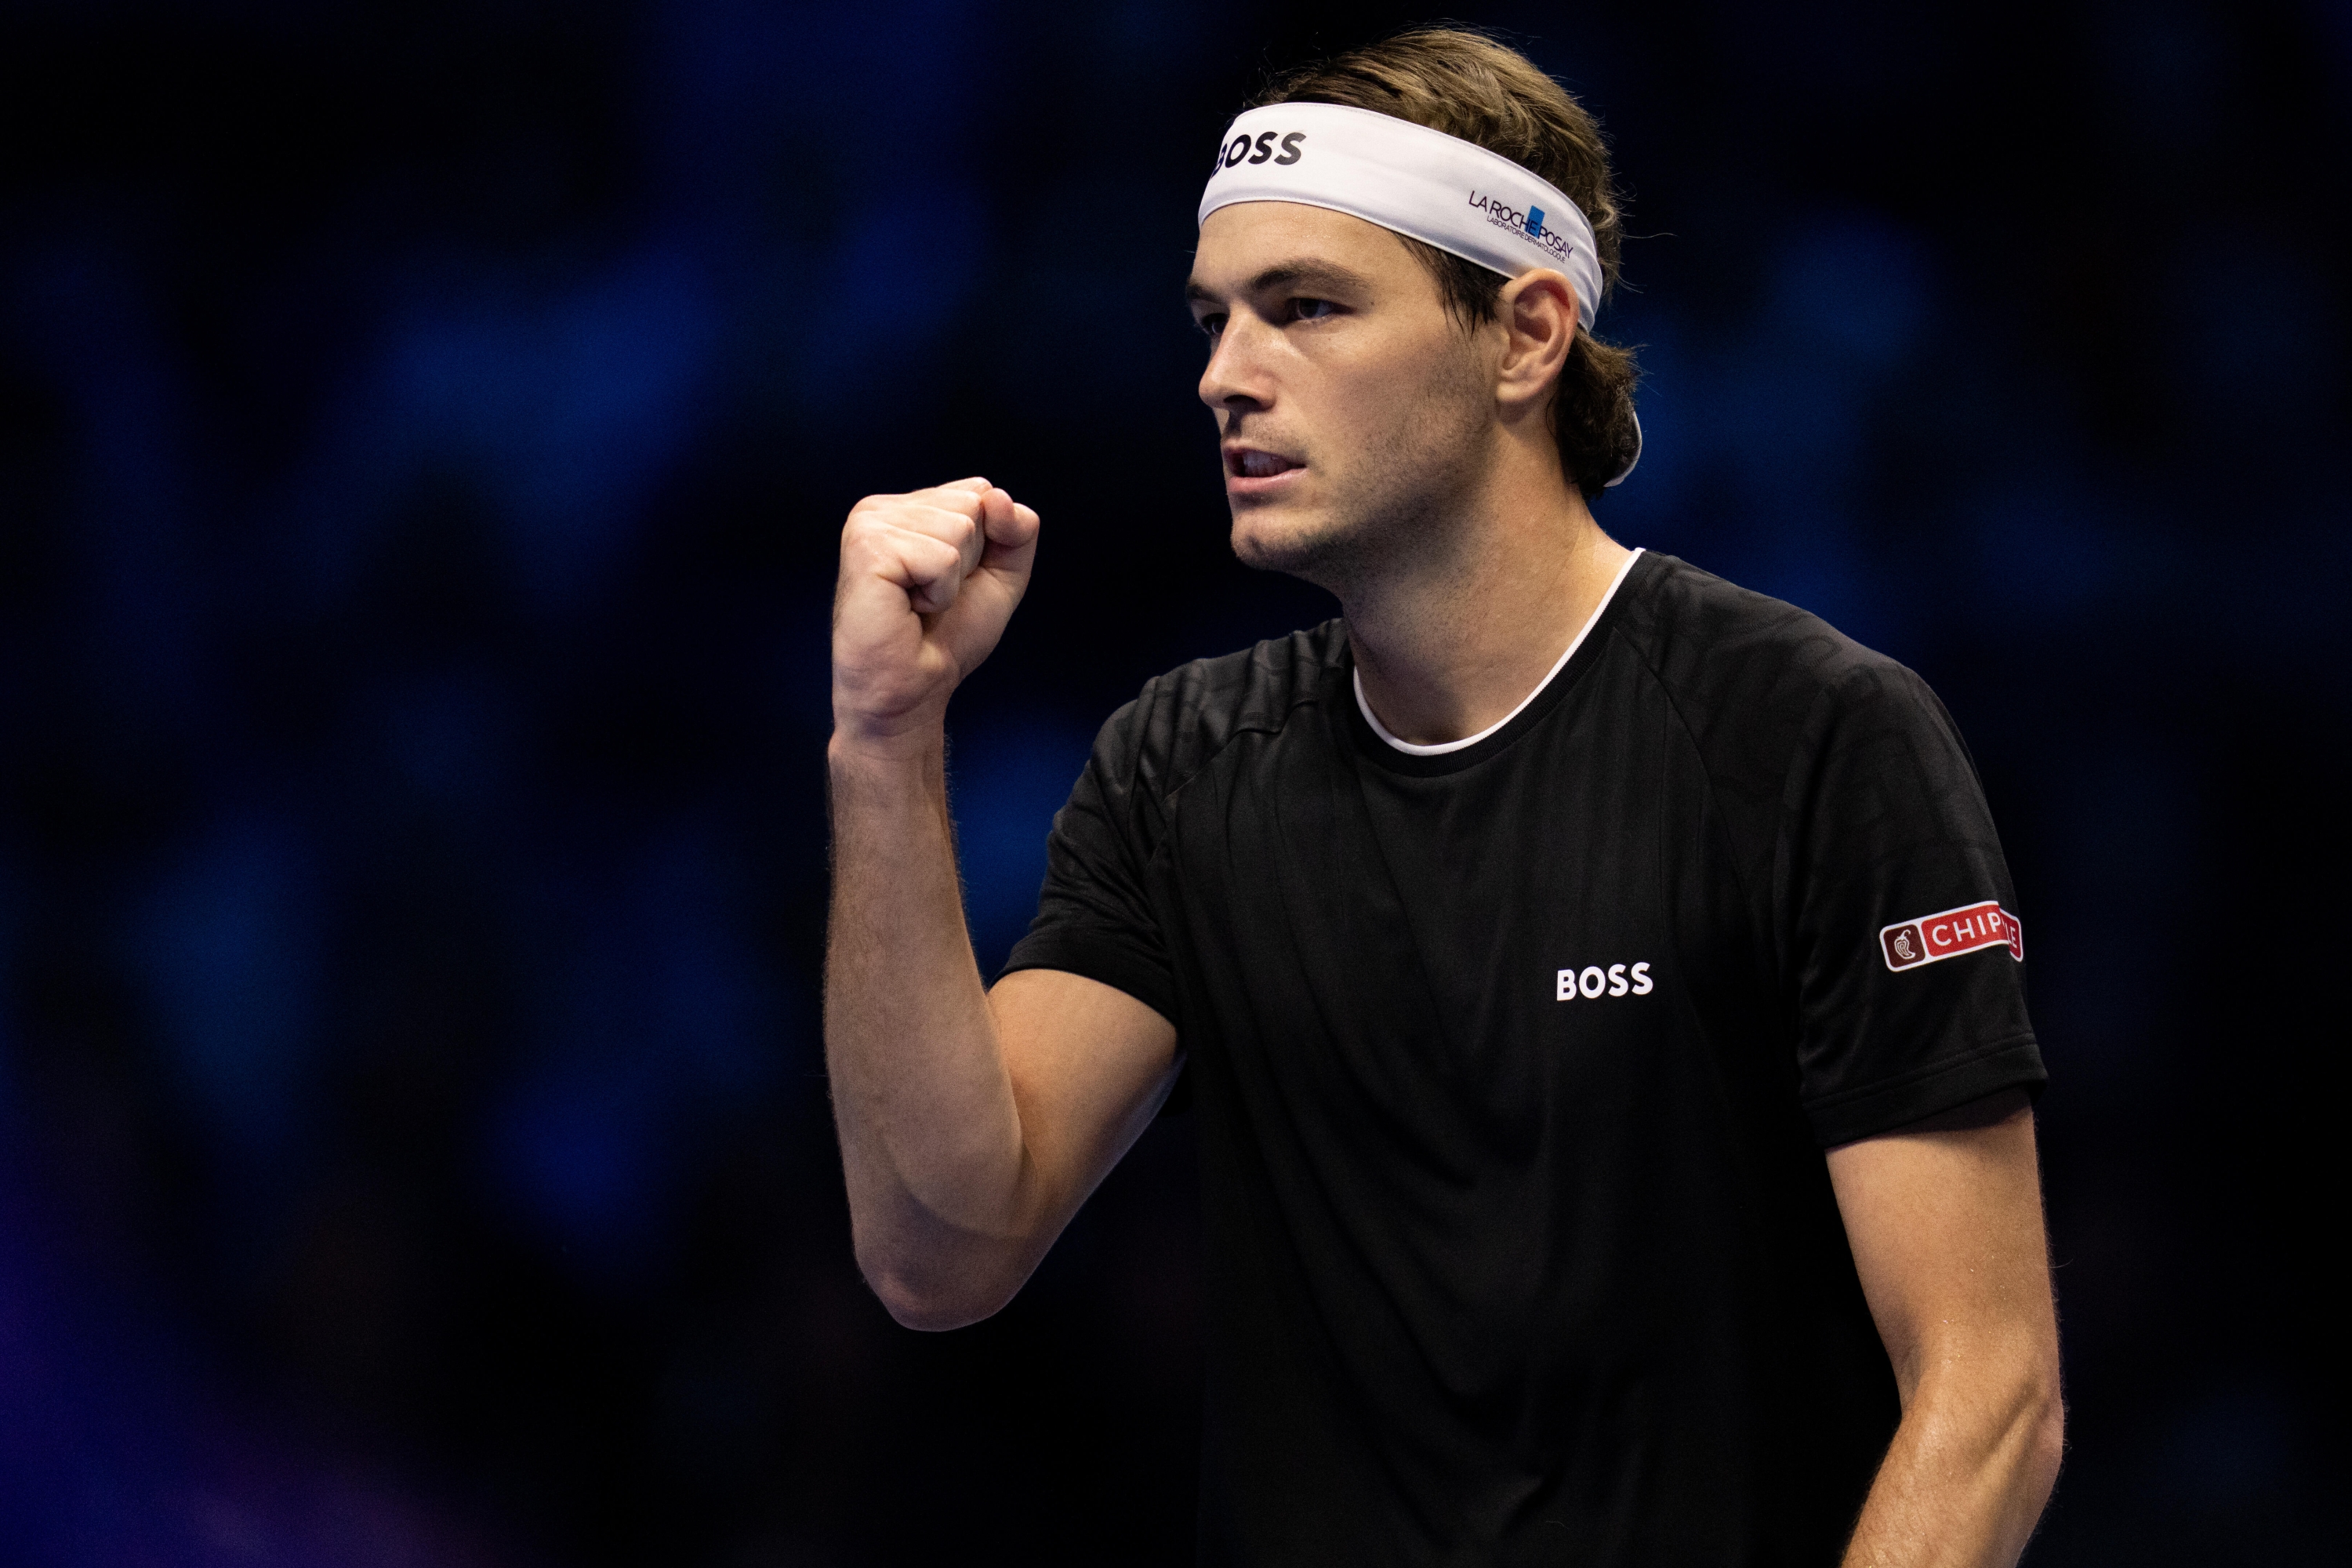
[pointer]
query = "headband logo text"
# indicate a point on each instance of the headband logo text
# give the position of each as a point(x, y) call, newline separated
point(1502, 215)
point(1240, 149)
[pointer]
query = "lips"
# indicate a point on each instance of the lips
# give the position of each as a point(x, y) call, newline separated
point(1249, 463)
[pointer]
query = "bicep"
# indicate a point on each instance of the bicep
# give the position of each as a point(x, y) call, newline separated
point(1944, 1222)
point(1090, 1067)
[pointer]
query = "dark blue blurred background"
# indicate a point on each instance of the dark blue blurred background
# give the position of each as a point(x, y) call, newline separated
point(424, 431)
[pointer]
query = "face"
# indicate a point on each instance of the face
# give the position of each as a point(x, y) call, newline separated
point(1354, 412)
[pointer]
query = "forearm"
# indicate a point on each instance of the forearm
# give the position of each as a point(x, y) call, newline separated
point(930, 1132)
point(1969, 1472)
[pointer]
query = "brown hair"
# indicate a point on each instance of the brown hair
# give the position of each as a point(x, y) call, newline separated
point(1467, 85)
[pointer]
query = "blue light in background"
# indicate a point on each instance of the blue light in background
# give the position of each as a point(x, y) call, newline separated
point(657, 1020)
point(1653, 506)
point(230, 947)
point(580, 1147)
point(890, 286)
point(2127, 838)
point(569, 408)
point(1795, 396)
point(2050, 550)
point(1761, 439)
point(82, 307)
point(1858, 284)
point(452, 735)
point(2258, 330)
point(9, 1001)
point(116, 1449)
point(1005, 780)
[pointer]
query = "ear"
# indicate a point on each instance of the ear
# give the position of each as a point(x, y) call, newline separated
point(1538, 312)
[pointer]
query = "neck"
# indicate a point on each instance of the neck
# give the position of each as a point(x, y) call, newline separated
point(1451, 640)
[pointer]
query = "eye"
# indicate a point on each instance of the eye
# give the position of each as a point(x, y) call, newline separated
point(1211, 325)
point(1312, 310)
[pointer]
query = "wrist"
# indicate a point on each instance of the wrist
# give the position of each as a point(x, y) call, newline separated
point(895, 749)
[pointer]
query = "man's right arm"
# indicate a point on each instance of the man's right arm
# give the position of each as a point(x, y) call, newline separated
point(972, 1123)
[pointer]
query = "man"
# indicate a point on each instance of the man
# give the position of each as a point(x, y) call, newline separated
point(1525, 937)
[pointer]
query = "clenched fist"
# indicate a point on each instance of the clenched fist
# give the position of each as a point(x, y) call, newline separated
point(927, 582)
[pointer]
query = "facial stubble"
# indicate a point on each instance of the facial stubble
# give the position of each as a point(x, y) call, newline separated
point(1394, 499)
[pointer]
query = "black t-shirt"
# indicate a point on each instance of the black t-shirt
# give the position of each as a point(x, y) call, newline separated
point(1513, 1066)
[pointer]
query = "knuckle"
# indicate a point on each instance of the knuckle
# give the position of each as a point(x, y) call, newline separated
point(877, 511)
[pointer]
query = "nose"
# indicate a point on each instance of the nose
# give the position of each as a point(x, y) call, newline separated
point(1236, 375)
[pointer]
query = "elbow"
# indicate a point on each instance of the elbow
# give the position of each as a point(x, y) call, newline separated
point(929, 1308)
point(2047, 1437)
point(925, 1295)
point(2037, 1432)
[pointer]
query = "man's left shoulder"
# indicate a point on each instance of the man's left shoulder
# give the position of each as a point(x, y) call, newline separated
point(1758, 673)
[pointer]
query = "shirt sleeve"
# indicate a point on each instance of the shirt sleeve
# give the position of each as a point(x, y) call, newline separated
point(1094, 915)
point(1898, 918)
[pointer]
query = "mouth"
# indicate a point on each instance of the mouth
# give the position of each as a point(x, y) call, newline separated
point(1248, 468)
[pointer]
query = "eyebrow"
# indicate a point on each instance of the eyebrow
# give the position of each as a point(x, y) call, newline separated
point(1285, 275)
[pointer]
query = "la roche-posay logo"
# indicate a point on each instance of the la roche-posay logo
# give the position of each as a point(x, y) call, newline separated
point(1526, 222)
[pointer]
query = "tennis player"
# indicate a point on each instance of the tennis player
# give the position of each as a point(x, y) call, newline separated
point(1598, 988)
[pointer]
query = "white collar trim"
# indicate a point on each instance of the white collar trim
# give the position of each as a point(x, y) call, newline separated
point(1468, 741)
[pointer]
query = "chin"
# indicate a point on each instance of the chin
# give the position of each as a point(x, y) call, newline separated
point(1271, 541)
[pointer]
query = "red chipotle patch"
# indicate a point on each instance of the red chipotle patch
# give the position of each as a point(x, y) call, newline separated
point(1910, 943)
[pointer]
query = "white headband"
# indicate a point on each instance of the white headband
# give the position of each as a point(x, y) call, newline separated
point(1423, 183)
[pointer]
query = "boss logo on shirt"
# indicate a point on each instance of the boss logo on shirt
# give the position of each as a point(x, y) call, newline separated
point(1617, 980)
point(1932, 938)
